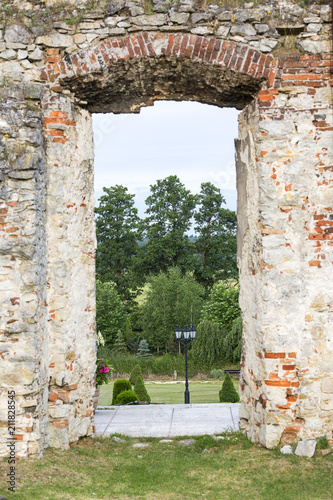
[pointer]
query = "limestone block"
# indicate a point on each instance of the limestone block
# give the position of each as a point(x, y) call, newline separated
point(36, 55)
point(315, 47)
point(8, 54)
point(55, 40)
point(179, 18)
point(306, 448)
point(327, 385)
point(278, 419)
point(151, 20)
point(59, 438)
point(22, 54)
point(313, 27)
point(202, 30)
point(270, 435)
point(287, 450)
point(200, 16)
point(327, 403)
point(261, 28)
point(243, 30)
point(135, 10)
point(59, 411)
point(18, 34)
point(223, 31)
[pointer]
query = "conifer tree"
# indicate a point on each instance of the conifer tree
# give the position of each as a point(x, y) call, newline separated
point(120, 344)
point(143, 350)
point(228, 393)
point(135, 373)
point(140, 389)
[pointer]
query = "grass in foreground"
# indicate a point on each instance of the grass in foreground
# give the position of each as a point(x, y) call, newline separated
point(230, 469)
point(207, 392)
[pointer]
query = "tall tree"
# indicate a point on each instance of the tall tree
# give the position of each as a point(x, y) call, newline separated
point(110, 312)
point(172, 298)
point(170, 208)
point(117, 232)
point(216, 245)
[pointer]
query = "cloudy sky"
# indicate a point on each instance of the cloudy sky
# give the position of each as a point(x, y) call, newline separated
point(192, 140)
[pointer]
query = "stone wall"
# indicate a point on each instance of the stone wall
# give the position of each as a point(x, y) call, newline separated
point(57, 66)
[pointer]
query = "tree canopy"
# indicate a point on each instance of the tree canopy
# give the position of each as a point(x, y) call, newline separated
point(117, 233)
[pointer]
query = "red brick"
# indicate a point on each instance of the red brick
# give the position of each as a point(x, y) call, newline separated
point(278, 383)
point(275, 355)
point(53, 396)
point(170, 45)
point(288, 367)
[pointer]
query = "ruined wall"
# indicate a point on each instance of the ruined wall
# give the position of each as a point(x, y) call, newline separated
point(57, 66)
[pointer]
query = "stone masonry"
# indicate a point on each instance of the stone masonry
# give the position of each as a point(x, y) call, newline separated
point(58, 65)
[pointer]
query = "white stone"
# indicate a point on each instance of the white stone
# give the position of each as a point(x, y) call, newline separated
point(140, 445)
point(306, 448)
point(36, 55)
point(55, 40)
point(287, 450)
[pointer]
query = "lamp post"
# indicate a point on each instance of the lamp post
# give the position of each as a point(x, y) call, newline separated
point(189, 335)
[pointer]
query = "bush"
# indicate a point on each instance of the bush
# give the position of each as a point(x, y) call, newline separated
point(120, 386)
point(217, 374)
point(141, 390)
point(228, 393)
point(135, 373)
point(126, 397)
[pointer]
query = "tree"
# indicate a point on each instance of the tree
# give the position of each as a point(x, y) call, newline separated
point(140, 389)
point(117, 233)
point(120, 344)
point(170, 208)
point(232, 341)
point(135, 373)
point(228, 393)
point(172, 298)
point(110, 312)
point(208, 343)
point(143, 350)
point(222, 306)
point(216, 245)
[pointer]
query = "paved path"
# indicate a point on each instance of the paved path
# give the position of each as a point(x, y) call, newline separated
point(167, 420)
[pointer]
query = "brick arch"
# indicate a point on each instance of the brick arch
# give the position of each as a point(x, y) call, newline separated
point(210, 70)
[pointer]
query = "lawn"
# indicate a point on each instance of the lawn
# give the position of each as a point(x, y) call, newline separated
point(200, 392)
point(229, 469)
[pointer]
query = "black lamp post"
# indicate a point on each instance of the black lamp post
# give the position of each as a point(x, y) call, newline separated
point(189, 335)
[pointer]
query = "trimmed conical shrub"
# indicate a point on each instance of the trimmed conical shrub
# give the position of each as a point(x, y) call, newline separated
point(228, 393)
point(135, 373)
point(140, 389)
point(119, 386)
point(126, 397)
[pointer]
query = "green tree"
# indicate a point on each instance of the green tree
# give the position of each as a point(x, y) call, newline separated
point(172, 298)
point(228, 393)
point(120, 344)
point(140, 389)
point(143, 350)
point(208, 344)
point(216, 245)
point(170, 208)
point(232, 341)
point(222, 306)
point(117, 233)
point(135, 373)
point(110, 312)
point(119, 386)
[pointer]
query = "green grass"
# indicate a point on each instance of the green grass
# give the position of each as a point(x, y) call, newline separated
point(200, 392)
point(231, 469)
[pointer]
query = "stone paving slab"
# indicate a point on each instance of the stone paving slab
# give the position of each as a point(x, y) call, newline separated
point(167, 420)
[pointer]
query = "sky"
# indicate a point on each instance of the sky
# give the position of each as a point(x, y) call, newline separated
point(191, 140)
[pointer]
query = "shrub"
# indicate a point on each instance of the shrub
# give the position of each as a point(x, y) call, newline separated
point(217, 374)
point(120, 386)
point(135, 373)
point(141, 390)
point(228, 393)
point(126, 397)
